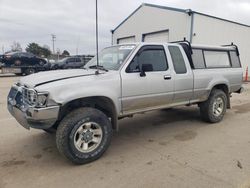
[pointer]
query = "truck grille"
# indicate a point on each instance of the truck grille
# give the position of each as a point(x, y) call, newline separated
point(29, 96)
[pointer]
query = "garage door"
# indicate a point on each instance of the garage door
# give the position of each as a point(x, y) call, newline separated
point(123, 40)
point(158, 36)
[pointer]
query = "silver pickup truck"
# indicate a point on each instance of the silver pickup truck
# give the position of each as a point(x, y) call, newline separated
point(84, 105)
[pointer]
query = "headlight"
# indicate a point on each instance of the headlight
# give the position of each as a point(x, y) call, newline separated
point(41, 99)
point(32, 98)
point(29, 96)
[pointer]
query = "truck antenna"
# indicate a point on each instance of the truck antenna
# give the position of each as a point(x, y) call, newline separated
point(97, 55)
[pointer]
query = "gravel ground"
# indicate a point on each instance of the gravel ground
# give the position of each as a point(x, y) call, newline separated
point(171, 148)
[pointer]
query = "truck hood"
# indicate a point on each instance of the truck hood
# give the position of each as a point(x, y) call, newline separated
point(50, 76)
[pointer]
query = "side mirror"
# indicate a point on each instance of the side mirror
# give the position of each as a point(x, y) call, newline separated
point(146, 68)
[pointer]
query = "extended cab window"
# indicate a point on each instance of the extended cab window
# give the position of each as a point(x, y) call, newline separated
point(154, 56)
point(178, 60)
point(216, 59)
point(198, 59)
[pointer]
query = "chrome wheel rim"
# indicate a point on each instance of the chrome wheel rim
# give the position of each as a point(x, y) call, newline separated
point(218, 106)
point(88, 137)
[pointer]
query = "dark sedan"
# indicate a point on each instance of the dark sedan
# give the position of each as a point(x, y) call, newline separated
point(23, 63)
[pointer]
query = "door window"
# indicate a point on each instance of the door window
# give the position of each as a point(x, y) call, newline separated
point(71, 60)
point(154, 56)
point(78, 60)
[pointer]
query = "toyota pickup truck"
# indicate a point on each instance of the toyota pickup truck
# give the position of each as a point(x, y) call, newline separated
point(83, 106)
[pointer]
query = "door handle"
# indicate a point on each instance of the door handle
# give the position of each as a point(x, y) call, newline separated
point(167, 77)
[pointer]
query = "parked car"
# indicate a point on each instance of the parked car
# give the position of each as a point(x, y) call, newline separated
point(85, 58)
point(1, 59)
point(23, 63)
point(68, 63)
point(83, 106)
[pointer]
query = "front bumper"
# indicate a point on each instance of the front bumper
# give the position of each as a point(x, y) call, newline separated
point(31, 117)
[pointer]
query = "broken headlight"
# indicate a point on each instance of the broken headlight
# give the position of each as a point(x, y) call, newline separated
point(41, 99)
point(32, 98)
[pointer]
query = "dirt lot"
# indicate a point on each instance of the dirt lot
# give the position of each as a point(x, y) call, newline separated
point(159, 149)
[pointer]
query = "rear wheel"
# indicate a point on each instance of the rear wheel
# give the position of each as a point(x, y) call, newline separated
point(214, 109)
point(84, 135)
point(29, 71)
point(19, 74)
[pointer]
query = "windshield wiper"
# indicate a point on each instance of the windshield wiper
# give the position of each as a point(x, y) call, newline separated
point(98, 67)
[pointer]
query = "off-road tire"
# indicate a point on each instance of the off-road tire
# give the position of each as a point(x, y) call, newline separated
point(68, 126)
point(206, 108)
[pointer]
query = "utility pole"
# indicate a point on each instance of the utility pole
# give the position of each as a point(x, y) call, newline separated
point(53, 42)
point(96, 29)
point(77, 45)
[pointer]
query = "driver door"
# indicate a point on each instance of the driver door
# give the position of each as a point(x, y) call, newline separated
point(152, 90)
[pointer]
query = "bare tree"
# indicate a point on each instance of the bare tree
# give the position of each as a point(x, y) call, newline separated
point(16, 46)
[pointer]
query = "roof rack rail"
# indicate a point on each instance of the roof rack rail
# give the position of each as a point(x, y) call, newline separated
point(186, 42)
point(186, 45)
point(233, 45)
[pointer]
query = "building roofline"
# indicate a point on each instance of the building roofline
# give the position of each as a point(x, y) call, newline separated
point(149, 5)
point(218, 18)
point(187, 11)
point(165, 7)
point(127, 18)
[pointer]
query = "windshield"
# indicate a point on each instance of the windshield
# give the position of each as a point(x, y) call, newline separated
point(111, 58)
point(62, 60)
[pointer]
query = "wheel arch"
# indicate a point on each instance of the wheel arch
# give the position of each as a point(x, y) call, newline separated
point(225, 88)
point(102, 103)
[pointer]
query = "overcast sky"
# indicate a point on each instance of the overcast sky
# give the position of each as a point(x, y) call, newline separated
point(73, 21)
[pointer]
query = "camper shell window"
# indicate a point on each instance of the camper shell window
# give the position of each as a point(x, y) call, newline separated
point(209, 58)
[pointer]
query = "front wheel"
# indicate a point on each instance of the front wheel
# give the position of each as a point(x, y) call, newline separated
point(214, 109)
point(55, 67)
point(84, 135)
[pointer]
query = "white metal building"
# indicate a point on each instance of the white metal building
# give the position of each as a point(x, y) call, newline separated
point(153, 23)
